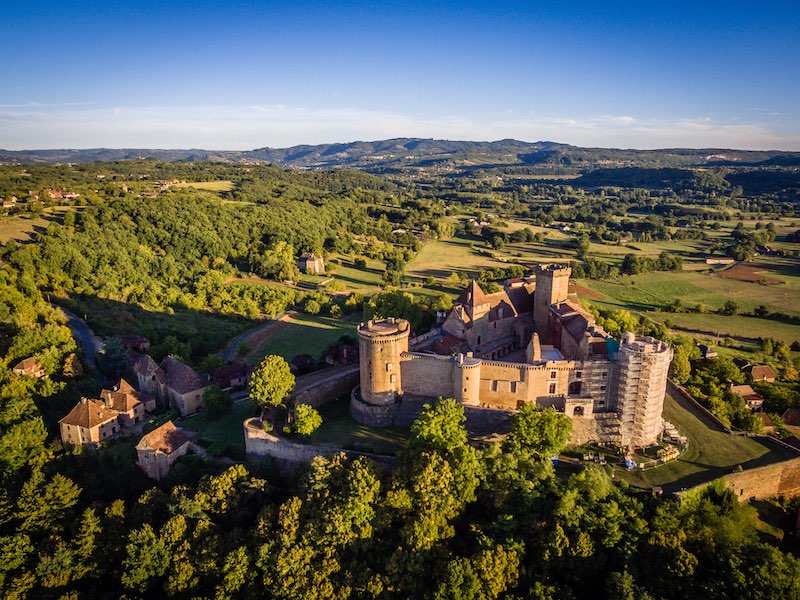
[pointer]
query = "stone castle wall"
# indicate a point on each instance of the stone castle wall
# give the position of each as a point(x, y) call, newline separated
point(288, 454)
point(427, 374)
point(335, 386)
point(779, 479)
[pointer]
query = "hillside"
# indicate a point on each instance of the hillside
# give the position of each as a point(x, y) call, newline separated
point(402, 153)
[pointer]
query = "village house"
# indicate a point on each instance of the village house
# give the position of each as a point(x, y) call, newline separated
point(29, 367)
point(231, 376)
point(311, 264)
point(137, 343)
point(10, 202)
point(760, 373)
point(130, 403)
point(90, 422)
point(769, 426)
point(753, 399)
point(159, 449)
point(173, 383)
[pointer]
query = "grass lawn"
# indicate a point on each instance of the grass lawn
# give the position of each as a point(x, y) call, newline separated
point(711, 454)
point(227, 430)
point(211, 186)
point(305, 334)
point(339, 430)
point(368, 279)
point(440, 258)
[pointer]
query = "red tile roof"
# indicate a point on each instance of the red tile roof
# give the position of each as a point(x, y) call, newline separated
point(181, 377)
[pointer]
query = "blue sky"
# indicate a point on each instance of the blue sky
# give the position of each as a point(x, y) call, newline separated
point(251, 74)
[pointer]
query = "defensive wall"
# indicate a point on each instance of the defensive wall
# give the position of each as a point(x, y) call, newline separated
point(770, 481)
point(288, 454)
point(321, 391)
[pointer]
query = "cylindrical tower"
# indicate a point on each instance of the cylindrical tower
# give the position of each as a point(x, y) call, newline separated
point(467, 380)
point(552, 286)
point(380, 344)
point(642, 385)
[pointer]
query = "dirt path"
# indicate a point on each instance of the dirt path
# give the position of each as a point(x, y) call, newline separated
point(255, 337)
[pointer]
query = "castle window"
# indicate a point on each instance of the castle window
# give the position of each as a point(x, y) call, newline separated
point(553, 374)
point(494, 385)
point(604, 374)
point(575, 388)
point(479, 340)
point(513, 386)
point(552, 388)
point(603, 388)
point(578, 374)
point(388, 366)
point(393, 379)
point(602, 403)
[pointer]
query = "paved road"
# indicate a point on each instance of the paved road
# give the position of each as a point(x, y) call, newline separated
point(89, 342)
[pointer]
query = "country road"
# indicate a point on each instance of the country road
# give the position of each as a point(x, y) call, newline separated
point(248, 336)
point(89, 342)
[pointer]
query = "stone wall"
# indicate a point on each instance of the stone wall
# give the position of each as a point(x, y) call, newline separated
point(328, 389)
point(427, 374)
point(779, 479)
point(288, 454)
point(371, 415)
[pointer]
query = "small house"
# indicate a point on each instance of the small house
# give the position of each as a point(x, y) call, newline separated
point(760, 373)
point(158, 450)
point(311, 264)
point(29, 367)
point(753, 399)
point(89, 423)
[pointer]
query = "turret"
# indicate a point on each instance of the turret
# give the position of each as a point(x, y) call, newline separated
point(642, 385)
point(381, 344)
point(467, 380)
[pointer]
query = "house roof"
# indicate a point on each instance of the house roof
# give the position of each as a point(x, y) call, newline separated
point(764, 417)
point(29, 365)
point(166, 439)
point(791, 416)
point(149, 367)
point(89, 413)
point(472, 295)
point(223, 375)
point(760, 372)
point(181, 377)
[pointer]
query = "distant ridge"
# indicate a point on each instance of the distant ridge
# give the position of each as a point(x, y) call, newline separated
point(400, 153)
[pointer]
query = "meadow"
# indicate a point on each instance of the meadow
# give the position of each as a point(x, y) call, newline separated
point(210, 186)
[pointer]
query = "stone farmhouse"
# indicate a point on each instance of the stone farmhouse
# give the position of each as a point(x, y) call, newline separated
point(311, 264)
point(29, 367)
point(159, 449)
point(530, 342)
point(172, 383)
point(93, 421)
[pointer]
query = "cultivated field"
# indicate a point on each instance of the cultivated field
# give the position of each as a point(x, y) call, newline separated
point(23, 229)
point(211, 186)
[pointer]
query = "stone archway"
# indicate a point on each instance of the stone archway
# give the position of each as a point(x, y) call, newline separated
point(577, 411)
point(575, 388)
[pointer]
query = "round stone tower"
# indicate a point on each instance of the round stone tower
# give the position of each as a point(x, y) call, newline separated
point(467, 380)
point(380, 344)
point(642, 385)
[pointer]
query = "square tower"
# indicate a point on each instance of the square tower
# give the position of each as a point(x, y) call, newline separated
point(552, 286)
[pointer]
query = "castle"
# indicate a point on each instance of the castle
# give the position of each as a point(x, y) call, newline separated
point(530, 342)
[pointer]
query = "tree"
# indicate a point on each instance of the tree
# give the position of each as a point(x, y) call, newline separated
point(540, 430)
point(306, 419)
point(271, 382)
point(582, 245)
point(439, 426)
point(216, 402)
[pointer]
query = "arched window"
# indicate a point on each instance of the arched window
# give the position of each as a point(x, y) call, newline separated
point(578, 412)
point(575, 388)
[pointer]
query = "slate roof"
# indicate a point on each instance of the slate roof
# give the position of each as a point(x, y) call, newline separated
point(791, 416)
point(149, 367)
point(89, 413)
point(181, 377)
point(166, 439)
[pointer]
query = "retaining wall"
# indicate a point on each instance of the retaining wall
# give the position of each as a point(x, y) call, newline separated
point(288, 454)
point(770, 481)
point(328, 389)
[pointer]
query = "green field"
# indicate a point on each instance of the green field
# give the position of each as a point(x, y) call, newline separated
point(339, 430)
point(710, 455)
point(305, 334)
point(226, 431)
point(721, 326)
point(363, 280)
point(211, 186)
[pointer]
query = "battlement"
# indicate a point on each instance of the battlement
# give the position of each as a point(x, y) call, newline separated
point(384, 327)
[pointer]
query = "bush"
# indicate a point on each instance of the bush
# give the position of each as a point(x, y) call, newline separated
point(306, 420)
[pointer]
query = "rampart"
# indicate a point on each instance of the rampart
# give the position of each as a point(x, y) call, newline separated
point(336, 385)
point(288, 454)
point(770, 481)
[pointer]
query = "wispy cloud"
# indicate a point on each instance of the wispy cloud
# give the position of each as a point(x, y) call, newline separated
point(59, 126)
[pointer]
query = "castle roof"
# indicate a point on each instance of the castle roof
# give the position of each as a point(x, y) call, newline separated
point(166, 439)
point(149, 367)
point(181, 377)
point(89, 413)
point(472, 295)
